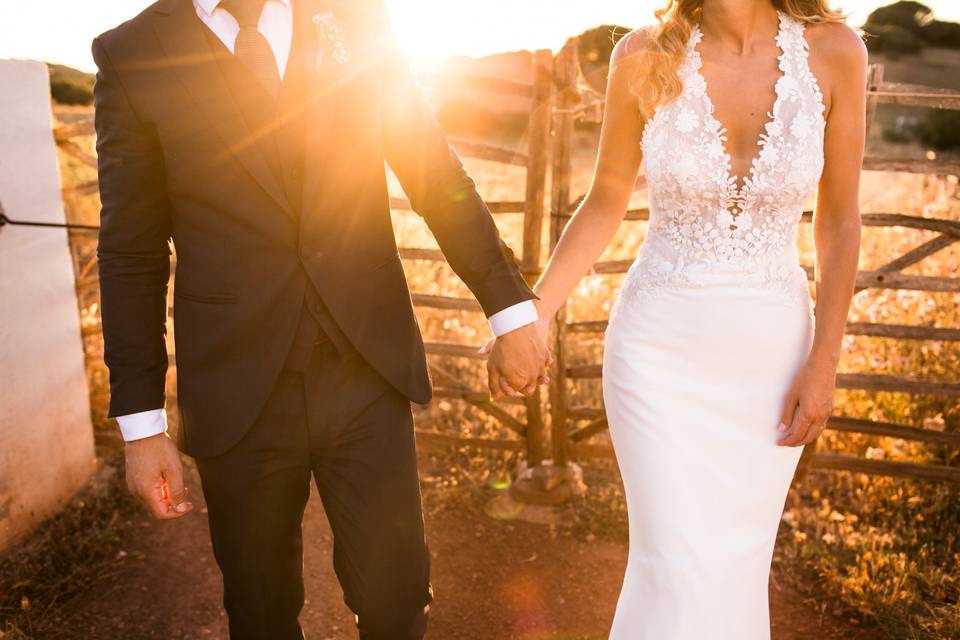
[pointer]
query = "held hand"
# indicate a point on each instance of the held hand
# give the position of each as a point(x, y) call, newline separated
point(155, 475)
point(518, 362)
point(808, 405)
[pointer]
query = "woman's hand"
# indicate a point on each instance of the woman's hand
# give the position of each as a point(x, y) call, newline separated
point(545, 318)
point(809, 404)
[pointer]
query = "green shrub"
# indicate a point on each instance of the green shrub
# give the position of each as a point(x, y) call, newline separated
point(70, 86)
point(892, 40)
point(67, 92)
point(908, 15)
point(595, 45)
point(896, 135)
point(906, 27)
point(942, 34)
point(594, 48)
point(942, 129)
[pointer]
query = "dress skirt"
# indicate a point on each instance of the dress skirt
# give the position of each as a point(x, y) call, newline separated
point(693, 382)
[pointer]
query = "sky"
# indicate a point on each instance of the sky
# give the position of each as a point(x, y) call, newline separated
point(430, 30)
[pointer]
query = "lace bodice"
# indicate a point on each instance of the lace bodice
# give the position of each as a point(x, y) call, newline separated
point(707, 230)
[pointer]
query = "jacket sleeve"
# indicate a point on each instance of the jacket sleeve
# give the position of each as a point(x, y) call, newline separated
point(134, 247)
point(440, 190)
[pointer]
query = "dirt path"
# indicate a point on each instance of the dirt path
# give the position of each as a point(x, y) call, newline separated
point(494, 580)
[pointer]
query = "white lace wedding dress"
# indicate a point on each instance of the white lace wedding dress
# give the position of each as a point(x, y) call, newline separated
point(713, 321)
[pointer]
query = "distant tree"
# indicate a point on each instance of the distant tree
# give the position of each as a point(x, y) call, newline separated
point(893, 40)
point(906, 14)
point(898, 28)
point(940, 33)
point(71, 93)
point(595, 46)
point(70, 86)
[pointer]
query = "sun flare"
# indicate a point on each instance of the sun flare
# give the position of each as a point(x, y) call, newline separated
point(430, 34)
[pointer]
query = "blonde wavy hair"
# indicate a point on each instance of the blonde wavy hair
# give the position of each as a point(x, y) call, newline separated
point(657, 79)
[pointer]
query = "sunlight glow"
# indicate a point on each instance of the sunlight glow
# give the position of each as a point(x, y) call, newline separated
point(430, 31)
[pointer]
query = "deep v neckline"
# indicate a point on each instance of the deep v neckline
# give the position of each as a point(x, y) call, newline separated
point(739, 186)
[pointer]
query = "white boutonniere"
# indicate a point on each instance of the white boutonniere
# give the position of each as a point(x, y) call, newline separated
point(330, 40)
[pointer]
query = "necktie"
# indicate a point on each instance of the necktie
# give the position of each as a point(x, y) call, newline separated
point(251, 48)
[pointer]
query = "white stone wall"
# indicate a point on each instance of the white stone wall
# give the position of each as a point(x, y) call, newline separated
point(46, 437)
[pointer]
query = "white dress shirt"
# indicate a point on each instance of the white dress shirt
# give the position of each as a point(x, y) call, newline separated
point(276, 25)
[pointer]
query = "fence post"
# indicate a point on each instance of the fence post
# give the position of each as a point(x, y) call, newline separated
point(538, 152)
point(538, 147)
point(554, 483)
point(568, 100)
point(874, 80)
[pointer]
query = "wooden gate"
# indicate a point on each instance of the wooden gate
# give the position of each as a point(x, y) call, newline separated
point(573, 427)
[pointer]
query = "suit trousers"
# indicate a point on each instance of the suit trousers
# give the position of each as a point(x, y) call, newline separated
point(340, 422)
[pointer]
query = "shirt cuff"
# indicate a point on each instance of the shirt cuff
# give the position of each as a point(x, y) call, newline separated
point(512, 318)
point(145, 424)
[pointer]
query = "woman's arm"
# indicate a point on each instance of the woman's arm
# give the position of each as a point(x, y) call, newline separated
point(836, 229)
point(598, 218)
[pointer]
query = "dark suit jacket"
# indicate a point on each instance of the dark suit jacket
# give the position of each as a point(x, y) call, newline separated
point(178, 162)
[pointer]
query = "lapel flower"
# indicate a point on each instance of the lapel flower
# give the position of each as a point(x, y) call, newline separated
point(330, 39)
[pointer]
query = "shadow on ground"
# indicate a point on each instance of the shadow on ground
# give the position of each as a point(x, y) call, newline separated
point(494, 580)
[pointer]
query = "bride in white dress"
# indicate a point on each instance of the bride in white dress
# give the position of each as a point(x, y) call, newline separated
point(716, 370)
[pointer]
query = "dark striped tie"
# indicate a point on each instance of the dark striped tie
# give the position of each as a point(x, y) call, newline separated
point(251, 48)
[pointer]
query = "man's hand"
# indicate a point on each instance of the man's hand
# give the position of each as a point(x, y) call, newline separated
point(155, 475)
point(518, 362)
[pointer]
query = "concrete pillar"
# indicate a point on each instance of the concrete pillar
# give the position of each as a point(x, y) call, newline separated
point(46, 435)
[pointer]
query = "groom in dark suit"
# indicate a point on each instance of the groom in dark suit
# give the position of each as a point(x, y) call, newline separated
point(253, 134)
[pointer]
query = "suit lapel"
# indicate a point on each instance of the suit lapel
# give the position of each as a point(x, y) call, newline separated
point(194, 62)
point(325, 79)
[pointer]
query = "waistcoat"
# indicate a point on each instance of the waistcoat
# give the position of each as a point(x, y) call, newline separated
point(280, 127)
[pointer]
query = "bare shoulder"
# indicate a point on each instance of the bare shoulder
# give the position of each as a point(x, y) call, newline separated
point(631, 47)
point(838, 47)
